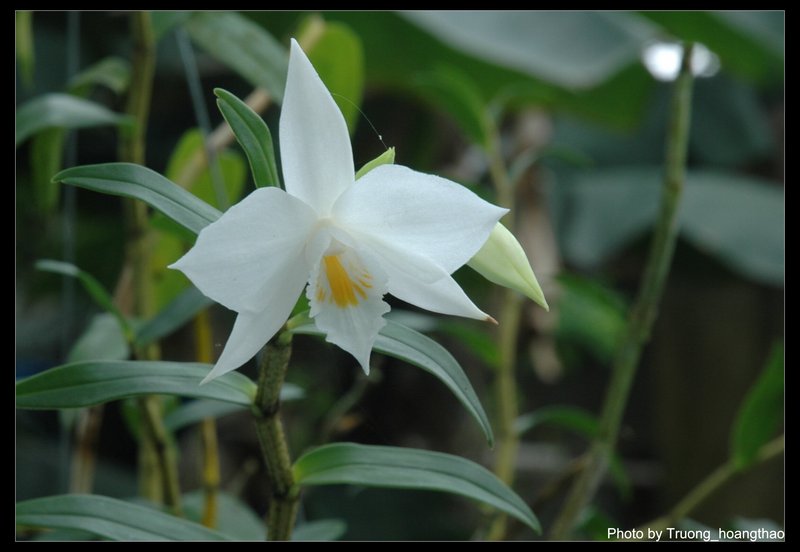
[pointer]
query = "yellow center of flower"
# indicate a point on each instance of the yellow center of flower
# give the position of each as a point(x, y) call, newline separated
point(345, 290)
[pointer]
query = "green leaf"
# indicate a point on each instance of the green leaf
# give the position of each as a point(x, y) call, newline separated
point(234, 518)
point(253, 135)
point(180, 311)
point(454, 91)
point(761, 412)
point(110, 519)
point(736, 218)
point(112, 72)
point(104, 339)
point(243, 46)
point(591, 315)
point(195, 411)
point(574, 49)
point(64, 111)
point(89, 383)
point(129, 180)
point(321, 530)
point(94, 288)
point(386, 158)
point(47, 154)
point(405, 468)
point(423, 352)
point(336, 53)
point(26, 54)
point(399, 51)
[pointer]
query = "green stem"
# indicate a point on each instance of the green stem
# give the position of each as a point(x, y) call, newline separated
point(505, 388)
point(645, 309)
point(159, 471)
point(711, 484)
point(269, 427)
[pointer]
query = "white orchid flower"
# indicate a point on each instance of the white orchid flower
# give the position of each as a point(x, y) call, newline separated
point(394, 231)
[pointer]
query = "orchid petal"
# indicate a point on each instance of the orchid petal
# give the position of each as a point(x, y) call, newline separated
point(345, 292)
point(444, 296)
point(315, 145)
point(432, 216)
point(253, 329)
point(255, 245)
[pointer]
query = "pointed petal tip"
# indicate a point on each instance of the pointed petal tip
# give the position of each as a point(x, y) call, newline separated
point(492, 320)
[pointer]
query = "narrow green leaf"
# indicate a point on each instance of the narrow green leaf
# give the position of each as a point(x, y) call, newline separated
point(129, 180)
point(94, 288)
point(103, 339)
point(182, 309)
point(253, 135)
point(386, 158)
point(47, 154)
point(194, 411)
point(109, 518)
point(112, 72)
point(321, 530)
point(62, 110)
point(25, 51)
point(761, 412)
point(406, 344)
point(243, 46)
point(235, 519)
point(405, 468)
point(95, 382)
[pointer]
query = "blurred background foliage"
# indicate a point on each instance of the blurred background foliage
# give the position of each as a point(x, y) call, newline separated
point(582, 121)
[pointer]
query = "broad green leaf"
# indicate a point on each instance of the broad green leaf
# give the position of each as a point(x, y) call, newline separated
point(590, 315)
point(736, 218)
point(94, 288)
point(453, 91)
point(386, 158)
point(47, 153)
point(103, 339)
point(581, 422)
point(421, 351)
point(194, 411)
point(89, 383)
point(64, 111)
point(253, 135)
point(406, 468)
point(243, 46)
point(398, 51)
point(26, 55)
point(180, 311)
point(234, 518)
point(573, 49)
point(336, 53)
point(164, 21)
point(112, 72)
point(109, 518)
point(231, 165)
point(321, 530)
point(761, 412)
point(129, 180)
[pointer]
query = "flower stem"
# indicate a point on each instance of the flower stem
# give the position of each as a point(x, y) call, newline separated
point(711, 484)
point(505, 387)
point(269, 427)
point(204, 352)
point(644, 311)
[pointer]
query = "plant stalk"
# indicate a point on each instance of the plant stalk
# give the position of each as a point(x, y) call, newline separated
point(283, 501)
point(645, 309)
